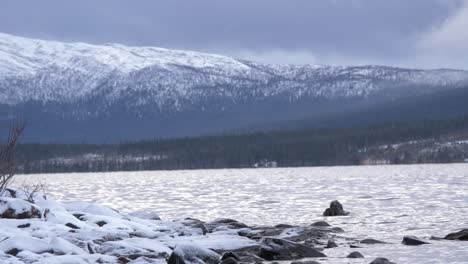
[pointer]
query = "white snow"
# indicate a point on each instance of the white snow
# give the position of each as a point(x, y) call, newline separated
point(50, 71)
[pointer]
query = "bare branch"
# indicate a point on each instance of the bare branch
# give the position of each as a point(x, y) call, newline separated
point(7, 156)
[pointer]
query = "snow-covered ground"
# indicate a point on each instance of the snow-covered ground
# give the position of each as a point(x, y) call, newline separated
point(385, 202)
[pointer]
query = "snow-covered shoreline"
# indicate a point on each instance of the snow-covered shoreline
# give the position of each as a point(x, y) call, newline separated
point(42, 230)
point(386, 203)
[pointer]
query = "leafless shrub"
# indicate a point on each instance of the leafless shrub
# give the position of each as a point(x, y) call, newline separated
point(31, 191)
point(7, 156)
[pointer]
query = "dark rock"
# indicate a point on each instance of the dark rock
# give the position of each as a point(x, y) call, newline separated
point(412, 241)
point(308, 233)
point(123, 260)
point(24, 225)
point(185, 254)
point(18, 209)
point(355, 254)
point(72, 226)
point(280, 249)
point(335, 209)
point(354, 246)
point(101, 223)
point(337, 230)
point(283, 226)
point(370, 241)
point(13, 251)
point(321, 224)
point(460, 235)
point(229, 261)
point(230, 255)
point(382, 261)
point(331, 244)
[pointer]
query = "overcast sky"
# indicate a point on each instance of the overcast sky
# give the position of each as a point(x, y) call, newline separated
point(410, 33)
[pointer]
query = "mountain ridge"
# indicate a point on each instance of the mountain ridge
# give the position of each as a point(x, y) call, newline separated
point(79, 84)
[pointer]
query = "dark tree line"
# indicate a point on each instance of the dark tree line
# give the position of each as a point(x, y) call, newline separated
point(311, 147)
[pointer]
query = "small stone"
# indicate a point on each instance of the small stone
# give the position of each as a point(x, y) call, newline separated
point(321, 224)
point(331, 244)
point(382, 261)
point(412, 241)
point(24, 225)
point(72, 226)
point(371, 241)
point(355, 254)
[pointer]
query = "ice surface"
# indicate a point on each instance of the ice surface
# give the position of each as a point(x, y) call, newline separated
point(385, 202)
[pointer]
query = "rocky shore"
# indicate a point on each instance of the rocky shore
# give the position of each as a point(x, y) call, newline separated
point(40, 230)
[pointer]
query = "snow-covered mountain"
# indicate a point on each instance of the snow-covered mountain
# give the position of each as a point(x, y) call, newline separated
point(81, 81)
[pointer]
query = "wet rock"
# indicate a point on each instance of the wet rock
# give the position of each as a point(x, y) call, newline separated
point(321, 224)
point(355, 254)
point(185, 254)
point(280, 249)
point(412, 241)
point(382, 261)
point(335, 209)
point(12, 208)
point(371, 241)
point(331, 244)
point(460, 235)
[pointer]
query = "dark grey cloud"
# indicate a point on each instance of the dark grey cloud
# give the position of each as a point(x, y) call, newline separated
point(393, 32)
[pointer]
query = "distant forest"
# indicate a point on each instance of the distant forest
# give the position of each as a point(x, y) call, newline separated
point(309, 147)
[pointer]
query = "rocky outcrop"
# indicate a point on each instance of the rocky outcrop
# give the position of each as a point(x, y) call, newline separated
point(18, 209)
point(281, 249)
point(412, 241)
point(335, 209)
point(185, 254)
point(460, 235)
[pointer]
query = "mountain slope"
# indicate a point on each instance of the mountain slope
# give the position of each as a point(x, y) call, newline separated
point(83, 92)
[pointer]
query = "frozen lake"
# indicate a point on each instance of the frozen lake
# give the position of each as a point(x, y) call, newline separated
point(386, 202)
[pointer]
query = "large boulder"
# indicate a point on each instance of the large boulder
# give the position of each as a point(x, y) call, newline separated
point(335, 209)
point(382, 261)
point(193, 254)
point(460, 235)
point(280, 249)
point(18, 209)
point(412, 241)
